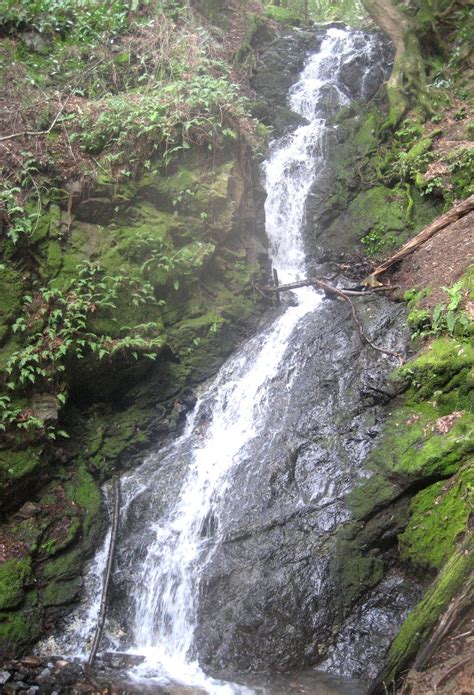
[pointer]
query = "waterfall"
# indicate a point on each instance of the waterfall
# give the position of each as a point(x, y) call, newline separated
point(173, 503)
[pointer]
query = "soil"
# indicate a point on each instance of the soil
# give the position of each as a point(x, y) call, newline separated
point(439, 262)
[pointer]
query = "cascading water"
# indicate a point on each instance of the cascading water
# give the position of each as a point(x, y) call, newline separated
point(173, 504)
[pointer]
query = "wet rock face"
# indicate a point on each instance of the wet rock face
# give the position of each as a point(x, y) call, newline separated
point(273, 592)
point(288, 576)
point(380, 616)
point(363, 76)
point(280, 65)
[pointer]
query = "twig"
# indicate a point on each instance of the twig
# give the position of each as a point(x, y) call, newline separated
point(453, 670)
point(108, 571)
point(344, 294)
point(31, 133)
point(363, 334)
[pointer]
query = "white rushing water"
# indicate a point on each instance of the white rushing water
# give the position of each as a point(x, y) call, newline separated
point(164, 600)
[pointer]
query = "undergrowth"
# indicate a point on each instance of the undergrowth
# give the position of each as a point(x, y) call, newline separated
point(450, 317)
point(57, 326)
point(92, 87)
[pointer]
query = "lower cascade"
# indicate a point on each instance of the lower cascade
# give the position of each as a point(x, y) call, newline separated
point(222, 561)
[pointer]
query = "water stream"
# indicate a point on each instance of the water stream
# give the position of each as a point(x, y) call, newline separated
point(174, 504)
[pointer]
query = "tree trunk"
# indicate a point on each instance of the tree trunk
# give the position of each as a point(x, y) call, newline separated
point(407, 82)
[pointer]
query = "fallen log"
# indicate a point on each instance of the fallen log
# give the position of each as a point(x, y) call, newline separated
point(439, 223)
point(108, 570)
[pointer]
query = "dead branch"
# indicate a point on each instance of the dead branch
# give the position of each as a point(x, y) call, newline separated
point(440, 223)
point(108, 570)
point(323, 285)
point(31, 133)
point(346, 296)
point(34, 133)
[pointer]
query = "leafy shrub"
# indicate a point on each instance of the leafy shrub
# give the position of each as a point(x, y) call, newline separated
point(200, 110)
point(447, 318)
point(56, 326)
point(87, 20)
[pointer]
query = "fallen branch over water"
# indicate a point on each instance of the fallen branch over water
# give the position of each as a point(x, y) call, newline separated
point(440, 223)
point(346, 296)
point(108, 570)
point(323, 285)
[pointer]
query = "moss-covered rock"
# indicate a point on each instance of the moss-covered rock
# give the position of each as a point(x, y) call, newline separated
point(417, 627)
point(14, 574)
point(18, 469)
point(11, 291)
point(439, 516)
point(61, 593)
point(420, 494)
point(378, 219)
point(18, 630)
point(283, 15)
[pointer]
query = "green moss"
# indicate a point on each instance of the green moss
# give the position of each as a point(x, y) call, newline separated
point(366, 138)
point(28, 532)
point(444, 368)
point(439, 514)
point(416, 447)
point(430, 434)
point(417, 627)
point(66, 565)
point(11, 291)
point(378, 212)
point(371, 495)
point(18, 630)
point(83, 491)
point(17, 466)
point(61, 592)
point(13, 576)
point(283, 15)
point(419, 148)
point(356, 574)
point(111, 433)
point(54, 257)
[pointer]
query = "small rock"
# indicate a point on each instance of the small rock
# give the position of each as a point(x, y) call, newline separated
point(28, 510)
point(61, 663)
point(45, 673)
point(4, 677)
point(31, 661)
point(68, 673)
point(122, 661)
point(11, 688)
